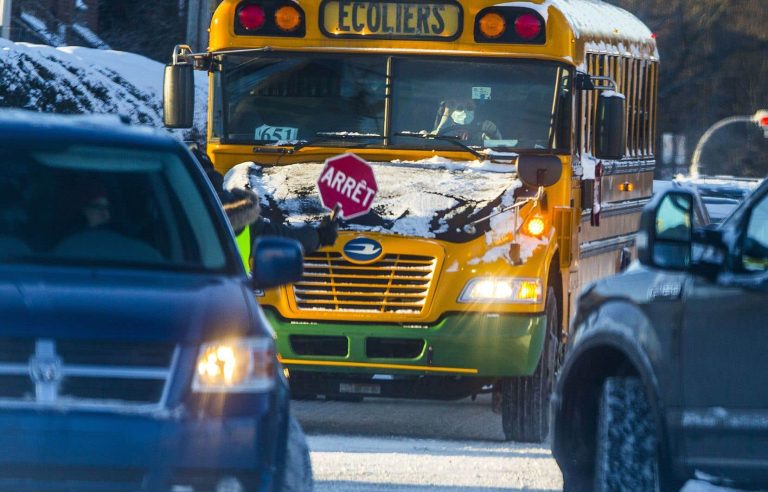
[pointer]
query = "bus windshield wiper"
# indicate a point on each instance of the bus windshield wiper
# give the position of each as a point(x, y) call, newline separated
point(443, 138)
point(323, 136)
point(279, 147)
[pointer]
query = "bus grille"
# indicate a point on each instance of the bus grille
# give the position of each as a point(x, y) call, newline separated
point(395, 284)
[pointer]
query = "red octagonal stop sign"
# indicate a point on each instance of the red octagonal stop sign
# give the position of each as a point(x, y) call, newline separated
point(347, 181)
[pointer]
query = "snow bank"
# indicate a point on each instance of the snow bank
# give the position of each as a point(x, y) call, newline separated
point(84, 80)
point(424, 200)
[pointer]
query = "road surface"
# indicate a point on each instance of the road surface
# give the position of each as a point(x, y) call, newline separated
point(399, 445)
point(407, 445)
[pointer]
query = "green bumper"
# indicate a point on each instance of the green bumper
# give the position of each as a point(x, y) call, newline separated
point(471, 344)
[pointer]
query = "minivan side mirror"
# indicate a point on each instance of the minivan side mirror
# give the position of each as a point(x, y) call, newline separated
point(276, 261)
point(179, 92)
point(610, 134)
point(665, 237)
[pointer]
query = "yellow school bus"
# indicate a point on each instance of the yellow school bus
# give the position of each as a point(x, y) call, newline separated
point(513, 145)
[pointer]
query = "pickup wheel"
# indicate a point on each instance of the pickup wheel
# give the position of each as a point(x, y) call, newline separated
point(627, 456)
point(525, 399)
point(298, 467)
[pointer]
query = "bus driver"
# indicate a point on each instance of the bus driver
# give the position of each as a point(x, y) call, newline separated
point(456, 118)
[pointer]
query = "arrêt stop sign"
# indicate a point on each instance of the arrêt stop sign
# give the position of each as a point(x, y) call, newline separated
point(347, 182)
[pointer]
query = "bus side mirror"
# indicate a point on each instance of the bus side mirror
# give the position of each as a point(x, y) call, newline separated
point(539, 170)
point(610, 135)
point(179, 92)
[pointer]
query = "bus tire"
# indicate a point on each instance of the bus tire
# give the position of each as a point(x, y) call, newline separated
point(525, 399)
point(626, 456)
point(298, 466)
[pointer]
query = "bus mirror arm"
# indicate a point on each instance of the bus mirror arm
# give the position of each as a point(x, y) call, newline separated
point(541, 198)
point(470, 228)
point(182, 55)
point(584, 82)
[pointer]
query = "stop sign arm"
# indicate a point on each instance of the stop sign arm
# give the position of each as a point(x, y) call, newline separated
point(335, 213)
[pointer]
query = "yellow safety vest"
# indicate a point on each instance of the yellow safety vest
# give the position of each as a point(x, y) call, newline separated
point(244, 246)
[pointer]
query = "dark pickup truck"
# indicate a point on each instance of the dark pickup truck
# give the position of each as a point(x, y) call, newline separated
point(665, 375)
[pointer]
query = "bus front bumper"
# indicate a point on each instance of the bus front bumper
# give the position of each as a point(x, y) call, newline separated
point(464, 344)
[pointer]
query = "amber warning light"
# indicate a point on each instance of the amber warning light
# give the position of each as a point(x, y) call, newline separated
point(492, 25)
point(288, 18)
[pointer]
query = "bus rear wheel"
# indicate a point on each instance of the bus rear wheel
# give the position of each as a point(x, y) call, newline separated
point(525, 399)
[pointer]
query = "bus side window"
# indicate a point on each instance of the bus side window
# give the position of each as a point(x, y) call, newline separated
point(563, 123)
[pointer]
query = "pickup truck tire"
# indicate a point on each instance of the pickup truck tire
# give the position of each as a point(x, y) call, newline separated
point(298, 467)
point(626, 456)
point(525, 399)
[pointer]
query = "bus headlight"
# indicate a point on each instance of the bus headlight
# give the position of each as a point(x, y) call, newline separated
point(502, 290)
point(245, 365)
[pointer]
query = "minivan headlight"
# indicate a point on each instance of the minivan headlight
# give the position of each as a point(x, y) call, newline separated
point(245, 365)
point(502, 290)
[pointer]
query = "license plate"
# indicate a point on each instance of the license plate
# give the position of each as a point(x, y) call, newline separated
point(391, 20)
point(360, 389)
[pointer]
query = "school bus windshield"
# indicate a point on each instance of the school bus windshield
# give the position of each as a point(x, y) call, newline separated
point(509, 104)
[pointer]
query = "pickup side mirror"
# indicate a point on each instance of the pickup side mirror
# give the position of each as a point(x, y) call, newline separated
point(276, 261)
point(665, 238)
point(610, 134)
point(179, 91)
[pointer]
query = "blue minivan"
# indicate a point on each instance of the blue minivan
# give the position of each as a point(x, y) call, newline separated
point(133, 355)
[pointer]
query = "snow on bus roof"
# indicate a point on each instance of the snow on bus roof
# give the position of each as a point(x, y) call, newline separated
point(600, 19)
point(593, 18)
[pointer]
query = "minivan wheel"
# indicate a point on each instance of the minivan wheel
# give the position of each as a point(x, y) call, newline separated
point(525, 399)
point(627, 456)
point(298, 466)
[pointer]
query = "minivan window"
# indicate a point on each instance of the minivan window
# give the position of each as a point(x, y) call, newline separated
point(105, 206)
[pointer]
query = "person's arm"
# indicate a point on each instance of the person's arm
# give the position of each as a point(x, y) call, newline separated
point(241, 206)
point(310, 237)
point(306, 235)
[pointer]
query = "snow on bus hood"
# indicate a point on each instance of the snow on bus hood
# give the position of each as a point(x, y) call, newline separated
point(432, 198)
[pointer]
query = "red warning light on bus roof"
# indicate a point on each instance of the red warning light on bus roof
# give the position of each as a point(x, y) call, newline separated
point(251, 17)
point(527, 26)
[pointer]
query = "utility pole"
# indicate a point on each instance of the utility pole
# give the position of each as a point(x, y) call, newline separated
point(198, 17)
point(5, 19)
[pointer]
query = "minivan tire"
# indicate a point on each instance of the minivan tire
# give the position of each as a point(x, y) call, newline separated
point(298, 466)
point(627, 451)
point(525, 399)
